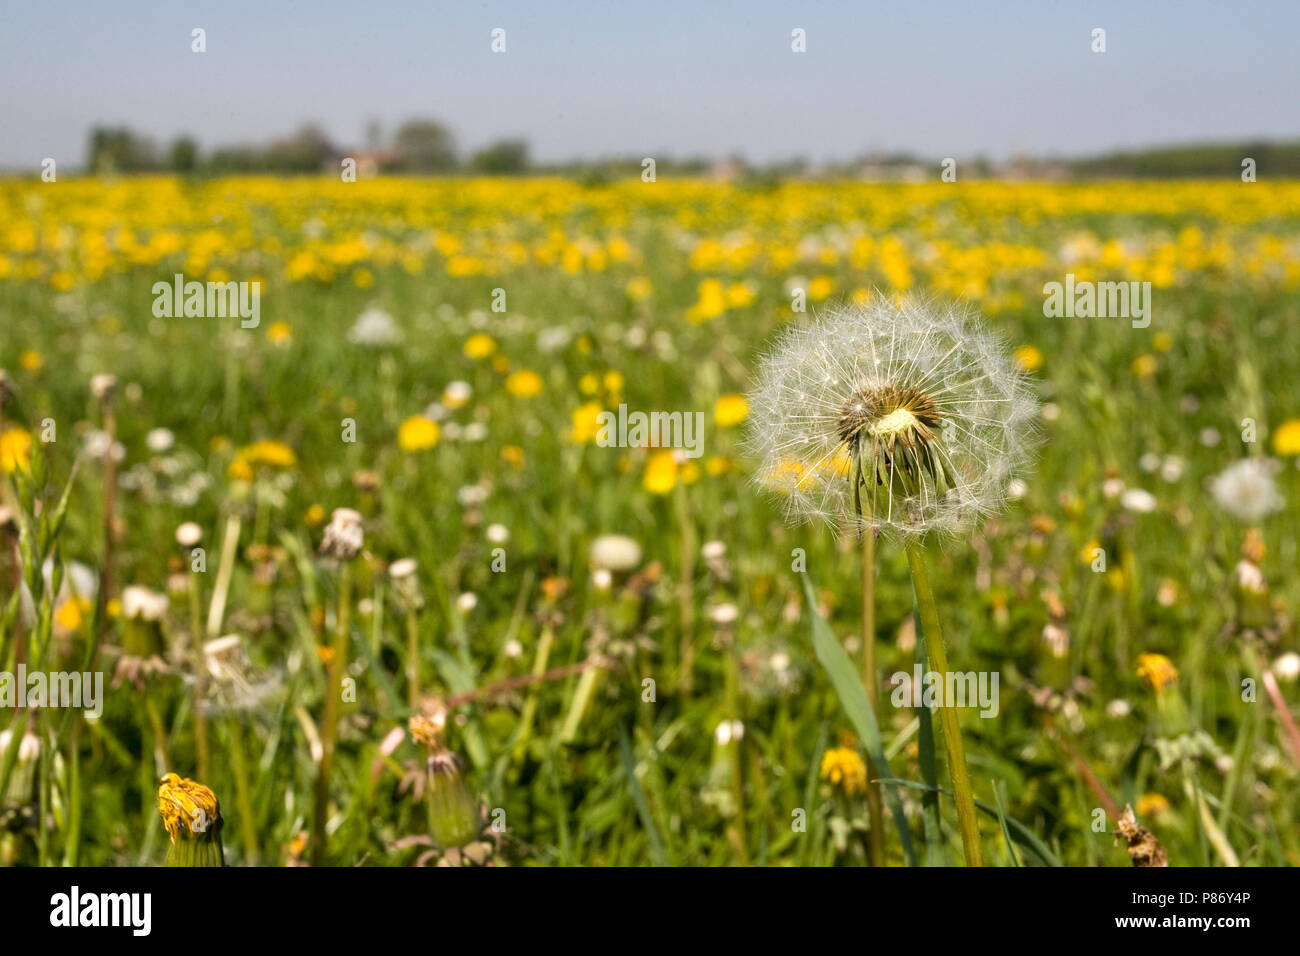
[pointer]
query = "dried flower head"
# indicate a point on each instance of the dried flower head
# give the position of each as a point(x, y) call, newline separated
point(344, 535)
point(902, 417)
point(1143, 848)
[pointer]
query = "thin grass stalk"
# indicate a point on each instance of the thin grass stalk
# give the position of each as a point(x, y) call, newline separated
point(961, 786)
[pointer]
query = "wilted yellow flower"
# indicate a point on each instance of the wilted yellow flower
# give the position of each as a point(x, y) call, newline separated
point(1030, 359)
point(15, 450)
point(844, 769)
point(660, 473)
point(524, 384)
point(479, 346)
point(730, 410)
point(1286, 440)
point(192, 817)
point(586, 423)
point(417, 433)
point(1156, 671)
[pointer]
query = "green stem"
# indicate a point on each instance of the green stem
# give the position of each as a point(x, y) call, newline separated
point(333, 701)
point(412, 661)
point(200, 678)
point(875, 806)
point(243, 795)
point(961, 788)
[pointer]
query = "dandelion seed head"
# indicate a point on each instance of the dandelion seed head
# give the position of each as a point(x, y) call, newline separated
point(928, 412)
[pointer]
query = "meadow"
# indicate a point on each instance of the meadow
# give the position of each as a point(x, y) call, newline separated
point(610, 649)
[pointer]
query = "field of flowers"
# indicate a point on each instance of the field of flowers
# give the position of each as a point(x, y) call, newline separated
point(516, 645)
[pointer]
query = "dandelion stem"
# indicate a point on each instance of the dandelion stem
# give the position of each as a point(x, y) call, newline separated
point(329, 723)
point(200, 678)
point(961, 788)
point(243, 797)
point(875, 807)
point(412, 661)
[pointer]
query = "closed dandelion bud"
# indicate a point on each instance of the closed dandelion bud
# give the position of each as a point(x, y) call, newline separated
point(20, 791)
point(1249, 587)
point(406, 585)
point(453, 811)
point(1054, 665)
point(192, 816)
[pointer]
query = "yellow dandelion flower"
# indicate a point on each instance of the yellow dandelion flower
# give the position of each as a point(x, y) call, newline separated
point(513, 455)
point(660, 473)
point(31, 361)
point(1152, 805)
point(1144, 366)
point(820, 288)
point(479, 346)
point(279, 333)
point(614, 381)
point(730, 410)
point(72, 612)
point(843, 769)
point(586, 424)
point(1030, 359)
point(524, 384)
point(417, 433)
point(589, 384)
point(639, 288)
point(314, 517)
point(15, 450)
point(1156, 671)
point(1286, 440)
point(717, 465)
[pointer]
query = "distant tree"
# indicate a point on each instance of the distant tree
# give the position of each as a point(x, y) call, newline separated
point(117, 149)
point(306, 151)
point(502, 158)
point(183, 156)
point(424, 146)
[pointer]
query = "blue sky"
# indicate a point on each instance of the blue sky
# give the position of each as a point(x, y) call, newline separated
point(656, 78)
